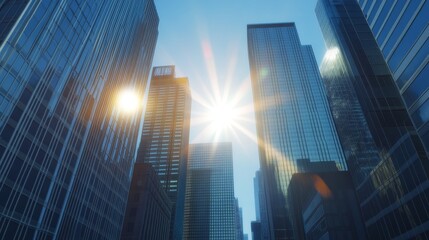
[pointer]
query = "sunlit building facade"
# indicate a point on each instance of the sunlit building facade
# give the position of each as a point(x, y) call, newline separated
point(400, 28)
point(292, 114)
point(165, 137)
point(391, 183)
point(66, 149)
point(210, 209)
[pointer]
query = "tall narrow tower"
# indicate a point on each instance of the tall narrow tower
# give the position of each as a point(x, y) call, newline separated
point(165, 137)
point(210, 211)
point(292, 114)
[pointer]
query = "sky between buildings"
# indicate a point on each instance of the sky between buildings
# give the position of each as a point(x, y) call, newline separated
point(207, 42)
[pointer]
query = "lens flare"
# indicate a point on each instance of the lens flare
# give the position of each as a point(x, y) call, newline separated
point(222, 115)
point(332, 54)
point(128, 101)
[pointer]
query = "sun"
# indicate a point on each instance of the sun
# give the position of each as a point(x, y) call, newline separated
point(128, 101)
point(222, 109)
point(222, 116)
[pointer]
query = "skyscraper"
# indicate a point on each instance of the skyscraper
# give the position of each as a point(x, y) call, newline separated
point(165, 137)
point(293, 119)
point(323, 205)
point(391, 183)
point(66, 150)
point(210, 203)
point(148, 213)
point(238, 221)
point(400, 28)
point(260, 206)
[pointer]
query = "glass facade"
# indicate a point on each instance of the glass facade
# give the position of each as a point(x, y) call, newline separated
point(148, 203)
point(402, 32)
point(66, 151)
point(330, 212)
point(238, 221)
point(386, 158)
point(292, 114)
point(261, 206)
point(210, 211)
point(165, 137)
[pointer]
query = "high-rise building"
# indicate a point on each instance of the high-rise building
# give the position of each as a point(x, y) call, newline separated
point(400, 28)
point(324, 206)
point(66, 150)
point(305, 165)
point(261, 206)
point(238, 221)
point(210, 204)
point(165, 137)
point(256, 230)
point(148, 213)
point(387, 161)
point(293, 119)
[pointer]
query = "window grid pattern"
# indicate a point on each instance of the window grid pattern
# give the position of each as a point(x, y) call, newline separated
point(394, 191)
point(165, 137)
point(60, 65)
point(402, 33)
point(210, 211)
point(292, 113)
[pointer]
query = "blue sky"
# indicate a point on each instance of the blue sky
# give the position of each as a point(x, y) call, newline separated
point(206, 40)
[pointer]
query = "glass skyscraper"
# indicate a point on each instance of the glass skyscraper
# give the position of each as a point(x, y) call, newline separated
point(210, 211)
point(386, 157)
point(402, 33)
point(148, 213)
point(66, 150)
point(165, 137)
point(260, 206)
point(293, 118)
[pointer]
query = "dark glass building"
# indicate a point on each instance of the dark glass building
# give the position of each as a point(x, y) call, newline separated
point(256, 230)
point(165, 137)
point(148, 211)
point(401, 31)
point(66, 150)
point(387, 161)
point(210, 211)
point(324, 206)
point(238, 221)
point(293, 119)
point(261, 205)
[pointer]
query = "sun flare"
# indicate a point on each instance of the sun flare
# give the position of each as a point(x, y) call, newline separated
point(332, 54)
point(128, 101)
point(223, 109)
point(222, 116)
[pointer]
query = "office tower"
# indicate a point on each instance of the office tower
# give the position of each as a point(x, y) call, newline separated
point(391, 183)
point(261, 205)
point(400, 28)
point(165, 137)
point(238, 221)
point(245, 236)
point(305, 165)
point(148, 211)
point(293, 119)
point(256, 230)
point(210, 203)
point(66, 149)
point(324, 206)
